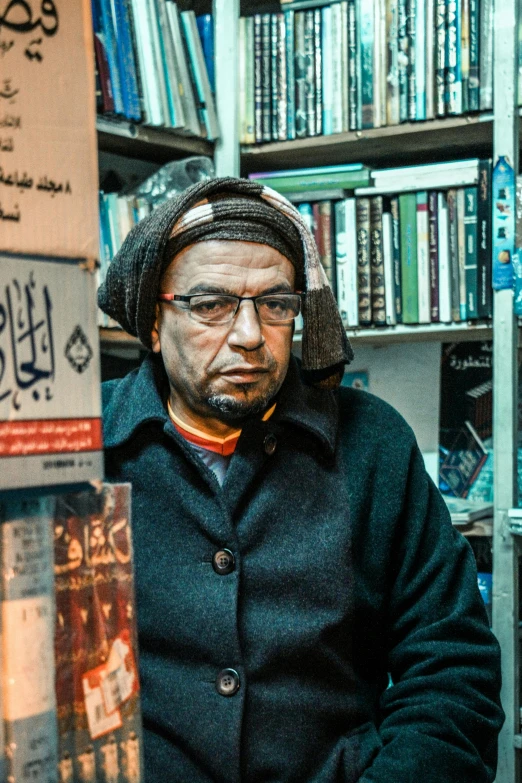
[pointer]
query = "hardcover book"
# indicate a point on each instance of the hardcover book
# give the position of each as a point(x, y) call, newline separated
point(409, 269)
point(363, 261)
point(377, 262)
point(433, 240)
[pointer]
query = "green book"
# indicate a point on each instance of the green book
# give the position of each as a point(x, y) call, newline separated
point(409, 274)
point(347, 180)
point(470, 260)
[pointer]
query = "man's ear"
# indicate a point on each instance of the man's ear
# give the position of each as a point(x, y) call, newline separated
point(155, 338)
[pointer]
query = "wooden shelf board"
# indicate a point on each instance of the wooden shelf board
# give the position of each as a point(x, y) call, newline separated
point(140, 141)
point(458, 332)
point(468, 136)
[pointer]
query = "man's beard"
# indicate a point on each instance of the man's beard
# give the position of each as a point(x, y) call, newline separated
point(230, 409)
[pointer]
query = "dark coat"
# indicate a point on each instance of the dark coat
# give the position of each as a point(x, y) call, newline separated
point(346, 568)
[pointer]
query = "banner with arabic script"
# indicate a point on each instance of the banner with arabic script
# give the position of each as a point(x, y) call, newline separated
point(50, 409)
point(48, 157)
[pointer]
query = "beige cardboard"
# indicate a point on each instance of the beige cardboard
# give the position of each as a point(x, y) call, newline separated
point(48, 155)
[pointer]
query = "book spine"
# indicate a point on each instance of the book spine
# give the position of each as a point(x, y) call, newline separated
point(382, 63)
point(326, 19)
point(433, 217)
point(430, 32)
point(318, 70)
point(158, 61)
point(242, 76)
point(336, 65)
point(396, 249)
point(266, 86)
point(377, 74)
point(440, 58)
point(351, 262)
point(170, 69)
point(387, 252)
point(282, 79)
point(344, 66)
point(126, 57)
point(409, 275)
point(353, 74)
point(290, 73)
point(474, 56)
point(403, 61)
point(486, 54)
point(258, 79)
point(309, 73)
point(300, 76)
point(377, 263)
point(423, 258)
point(103, 74)
point(363, 261)
point(464, 53)
point(326, 232)
point(347, 181)
point(461, 247)
point(346, 261)
point(206, 34)
point(28, 608)
point(111, 49)
point(194, 121)
point(420, 60)
point(274, 76)
point(411, 10)
point(470, 230)
point(484, 251)
point(453, 65)
point(454, 254)
point(392, 68)
point(367, 64)
point(444, 260)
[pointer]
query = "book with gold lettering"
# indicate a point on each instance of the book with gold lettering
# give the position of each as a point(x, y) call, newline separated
point(100, 736)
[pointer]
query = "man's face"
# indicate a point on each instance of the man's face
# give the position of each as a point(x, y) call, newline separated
point(224, 371)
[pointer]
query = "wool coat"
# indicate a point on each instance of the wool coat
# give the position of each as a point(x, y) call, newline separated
point(346, 574)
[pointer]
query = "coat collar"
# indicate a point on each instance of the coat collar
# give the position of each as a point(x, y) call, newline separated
point(141, 397)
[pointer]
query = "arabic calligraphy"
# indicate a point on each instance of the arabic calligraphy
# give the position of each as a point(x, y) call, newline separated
point(26, 319)
point(24, 182)
point(14, 215)
point(18, 17)
point(6, 144)
point(7, 91)
point(469, 362)
point(10, 121)
point(5, 46)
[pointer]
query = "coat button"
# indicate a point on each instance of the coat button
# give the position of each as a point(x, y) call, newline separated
point(270, 444)
point(227, 682)
point(223, 562)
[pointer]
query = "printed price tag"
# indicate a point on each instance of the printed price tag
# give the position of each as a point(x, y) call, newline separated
point(100, 722)
point(121, 679)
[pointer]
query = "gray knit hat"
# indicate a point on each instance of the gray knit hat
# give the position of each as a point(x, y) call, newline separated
point(228, 209)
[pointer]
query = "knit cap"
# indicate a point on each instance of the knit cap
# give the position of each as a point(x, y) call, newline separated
point(227, 208)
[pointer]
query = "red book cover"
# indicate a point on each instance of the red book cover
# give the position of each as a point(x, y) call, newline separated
point(103, 72)
point(433, 216)
point(98, 660)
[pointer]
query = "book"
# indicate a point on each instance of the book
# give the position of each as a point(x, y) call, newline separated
point(409, 271)
point(363, 261)
point(242, 77)
point(411, 29)
point(310, 81)
point(464, 53)
point(316, 170)
point(453, 64)
point(29, 702)
point(290, 71)
point(95, 597)
point(123, 22)
point(347, 180)
point(403, 60)
point(433, 240)
point(464, 460)
point(206, 35)
point(423, 260)
point(300, 77)
point(484, 248)
point(464, 511)
point(266, 86)
point(366, 44)
point(199, 73)
point(470, 265)
point(173, 87)
point(444, 271)
point(323, 234)
point(461, 251)
point(454, 254)
point(430, 59)
point(392, 76)
point(327, 62)
point(318, 71)
point(352, 67)
point(396, 249)
point(377, 282)
point(344, 76)
point(440, 58)
point(258, 79)
point(421, 37)
point(336, 64)
point(486, 55)
point(387, 251)
point(379, 63)
point(147, 66)
point(111, 50)
point(474, 56)
point(279, 83)
point(346, 261)
point(102, 67)
point(159, 73)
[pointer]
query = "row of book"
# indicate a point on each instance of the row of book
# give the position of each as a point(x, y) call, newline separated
point(155, 65)
point(70, 688)
point(358, 64)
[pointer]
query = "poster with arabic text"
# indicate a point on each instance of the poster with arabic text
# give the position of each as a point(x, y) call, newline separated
point(48, 157)
point(50, 408)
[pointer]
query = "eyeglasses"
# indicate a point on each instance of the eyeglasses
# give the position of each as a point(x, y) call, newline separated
point(221, 308)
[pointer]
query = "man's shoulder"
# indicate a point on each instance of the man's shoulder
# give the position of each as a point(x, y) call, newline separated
point(364, 414)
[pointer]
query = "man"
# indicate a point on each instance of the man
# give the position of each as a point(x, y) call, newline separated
point(292, 555)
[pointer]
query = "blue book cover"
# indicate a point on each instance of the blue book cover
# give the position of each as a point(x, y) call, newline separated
point(206, 34)
point(127, 62)
point(290, 73)
point(327, 83)
point(111, 50)
point(366, 16)
point(420, 59)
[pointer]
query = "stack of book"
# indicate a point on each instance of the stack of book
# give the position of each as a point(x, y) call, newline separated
point(328, 67)
point(414, 247)
point(151, 65)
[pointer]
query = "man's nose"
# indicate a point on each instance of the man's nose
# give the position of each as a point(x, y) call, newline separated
point(245, 331)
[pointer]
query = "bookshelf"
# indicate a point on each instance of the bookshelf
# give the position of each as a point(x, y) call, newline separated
point(155, 144)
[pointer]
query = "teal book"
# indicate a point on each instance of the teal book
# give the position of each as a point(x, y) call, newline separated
point(290, 73)
point(328, 98)
point(421, 30)
point(366, 44)
point(470, 265)
point(474, 56)
point(348, 181)
point(403, 60)
point(411, 27)
point(453, 62)
point(409, 274)
point(353, 75)
point(440, 58)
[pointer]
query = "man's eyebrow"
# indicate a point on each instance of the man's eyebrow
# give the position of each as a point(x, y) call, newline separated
point(203, 288)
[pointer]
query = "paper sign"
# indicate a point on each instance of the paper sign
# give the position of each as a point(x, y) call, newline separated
point(503, 224)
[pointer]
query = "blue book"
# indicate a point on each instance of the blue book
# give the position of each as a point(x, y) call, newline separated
point(206, 33)
point(111, 50)
point(290, 74)
point(366, 43)
point(316, 170)
point(326, 17)
point(126, 60)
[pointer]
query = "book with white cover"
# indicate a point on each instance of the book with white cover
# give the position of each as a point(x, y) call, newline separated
point(389, 281)
point(423, 258)
point(444, 260)
point(346, 261)
point(187, 98)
